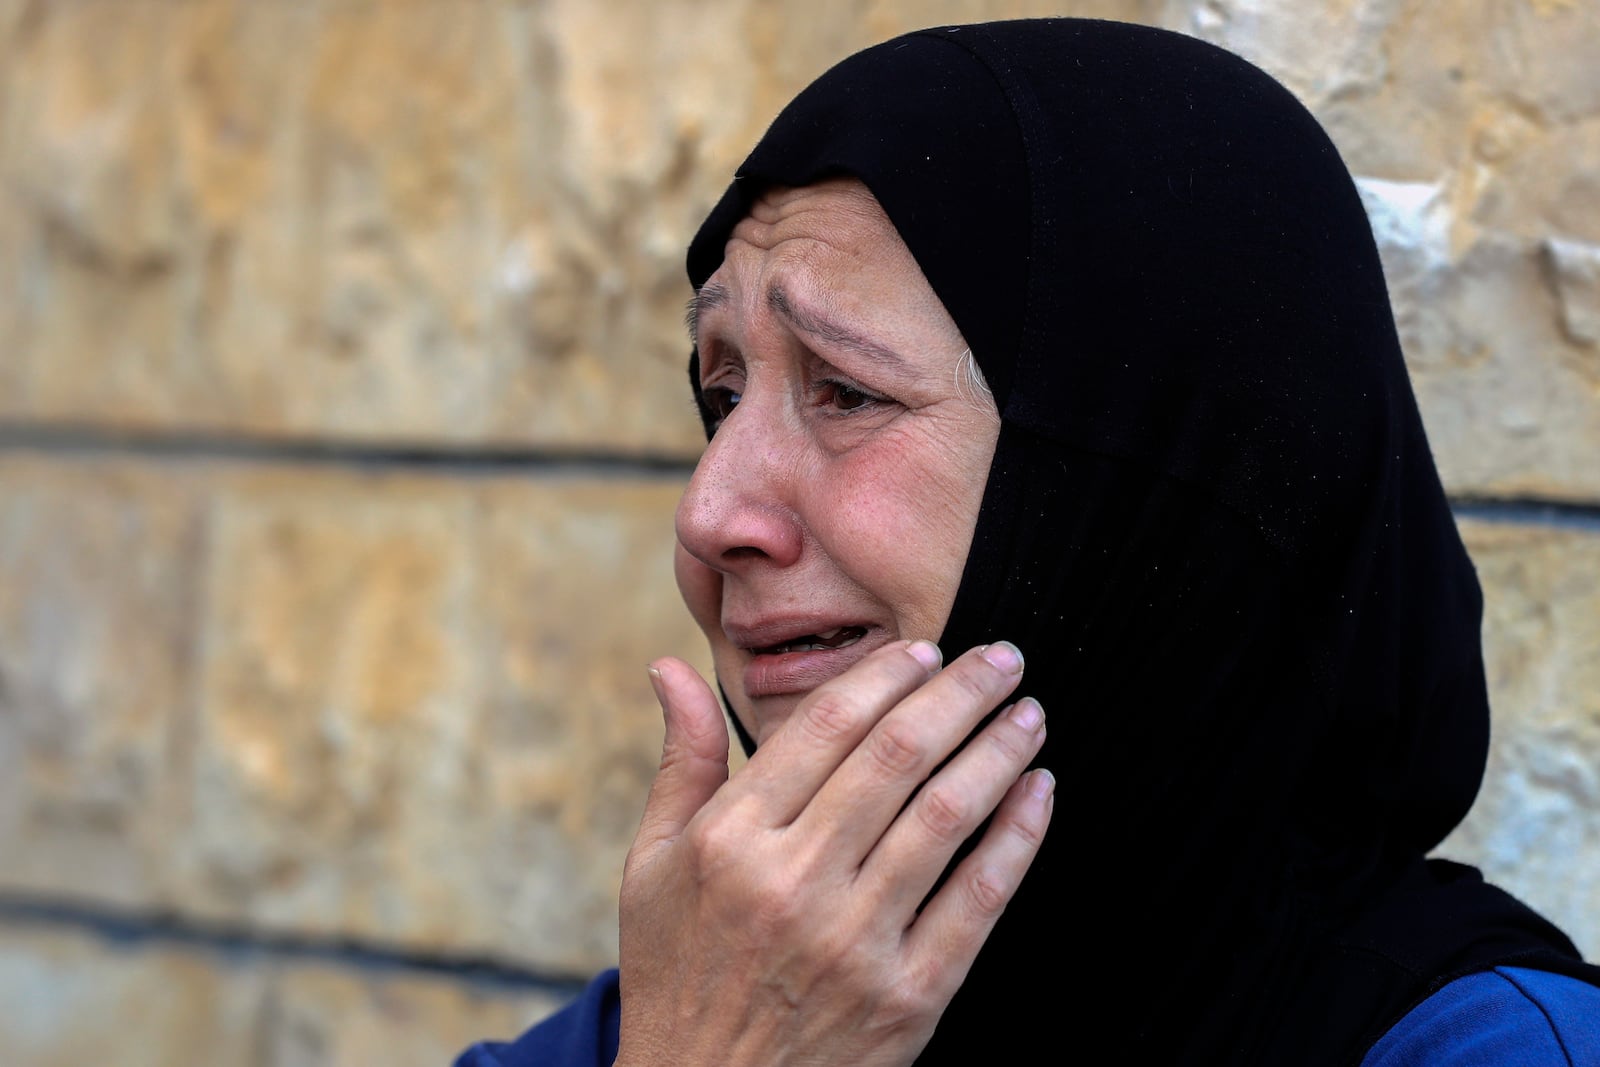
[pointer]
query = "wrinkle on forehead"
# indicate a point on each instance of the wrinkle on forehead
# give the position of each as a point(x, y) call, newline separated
point(812, 240)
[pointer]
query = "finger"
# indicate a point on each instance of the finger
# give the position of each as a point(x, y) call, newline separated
point(946, 937)
point(694, 753)
point(950, 806)
point(789, 767)
point(870, 788)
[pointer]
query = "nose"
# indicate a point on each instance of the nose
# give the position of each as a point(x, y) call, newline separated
point(739, 511)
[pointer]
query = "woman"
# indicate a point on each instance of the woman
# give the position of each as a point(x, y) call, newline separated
point(1190, 481)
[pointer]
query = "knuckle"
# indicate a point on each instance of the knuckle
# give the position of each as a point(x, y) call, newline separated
point(1030, 831)
point(896, 748)
point(632, 864)
point(1010, 741)
point(714, 844)
point(829, 716)
point(836, 949)
point(906, 1002)
point(776, 905)
point(705, 838)
point(941, 811)
point(987, 893)
point(978, 681)
point(771, 904)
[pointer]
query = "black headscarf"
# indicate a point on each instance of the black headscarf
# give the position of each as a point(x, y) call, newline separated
point(1212, 524)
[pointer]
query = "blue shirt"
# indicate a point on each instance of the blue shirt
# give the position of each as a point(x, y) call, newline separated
point(582, 1034)
point(1507, 1017)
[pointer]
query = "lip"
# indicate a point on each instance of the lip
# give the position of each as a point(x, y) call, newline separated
point(788, 673)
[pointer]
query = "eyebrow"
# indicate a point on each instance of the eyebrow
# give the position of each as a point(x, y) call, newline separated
point(835, 333)
point(707, 297)
point(711, 296)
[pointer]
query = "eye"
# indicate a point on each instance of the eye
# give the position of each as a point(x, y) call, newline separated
point(845, 397)
point(720, 402)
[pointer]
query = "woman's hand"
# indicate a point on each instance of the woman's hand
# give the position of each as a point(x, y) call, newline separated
point(773, 918)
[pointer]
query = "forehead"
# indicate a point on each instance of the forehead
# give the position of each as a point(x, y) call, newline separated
point(827, 246)
point(841, 212)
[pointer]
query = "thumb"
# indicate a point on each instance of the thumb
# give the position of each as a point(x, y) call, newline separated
point(694, 754)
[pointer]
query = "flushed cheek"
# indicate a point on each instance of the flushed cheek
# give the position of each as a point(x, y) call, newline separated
point(883, 534)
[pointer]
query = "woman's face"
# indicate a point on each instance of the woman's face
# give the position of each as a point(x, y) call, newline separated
point(833, 508)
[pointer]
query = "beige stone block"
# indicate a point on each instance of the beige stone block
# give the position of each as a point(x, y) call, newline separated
point(99, 590)
point(77, 999)
point(424, 716)
point(1577, 283)
point(1421, 91)
point(349, 220)
point(322, 1016)
point(1330, 49)
point(1536, 826)
point(405, 708)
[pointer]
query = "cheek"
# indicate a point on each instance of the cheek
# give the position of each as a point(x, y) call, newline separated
point(901, 527)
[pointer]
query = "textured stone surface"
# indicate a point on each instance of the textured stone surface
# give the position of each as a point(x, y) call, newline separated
point(1577, 280)
point(75, 999)
point(424, 708)
point(1536, 826)
point(463, 223)
point(98, 609)
point(404, 708)
point(378, 221)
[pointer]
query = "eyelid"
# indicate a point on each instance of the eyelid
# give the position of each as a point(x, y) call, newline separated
point(716, 362)
point(871, 399)
point(844, 381)
point(716, 352)
point(821, 370)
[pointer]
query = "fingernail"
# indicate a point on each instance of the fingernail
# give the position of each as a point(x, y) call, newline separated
point(655, 683)
point(1041, 783)
point(926, 653)
point(1027, 714)
point(1005, 656)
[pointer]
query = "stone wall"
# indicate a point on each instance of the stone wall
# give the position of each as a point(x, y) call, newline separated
point(342, 415)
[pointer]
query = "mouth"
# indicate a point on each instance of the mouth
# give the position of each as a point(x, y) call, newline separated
point(795, 663)
point(827, 641)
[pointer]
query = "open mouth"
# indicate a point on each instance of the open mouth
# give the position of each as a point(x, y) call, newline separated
point(839, 637)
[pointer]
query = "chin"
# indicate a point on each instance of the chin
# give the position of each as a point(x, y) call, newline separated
point(769, 713)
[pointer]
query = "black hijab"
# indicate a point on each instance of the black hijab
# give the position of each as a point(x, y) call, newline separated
point(1212, 524)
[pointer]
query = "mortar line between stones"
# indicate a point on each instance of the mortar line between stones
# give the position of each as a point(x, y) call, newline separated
point(1529, 511)
point(126, 927)
point(72, 439)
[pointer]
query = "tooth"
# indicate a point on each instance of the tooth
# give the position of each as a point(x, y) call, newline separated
point(829, 635)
